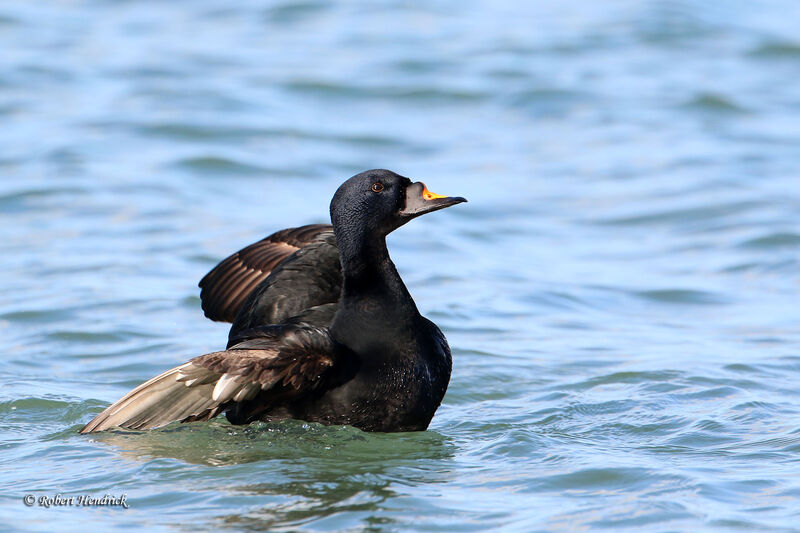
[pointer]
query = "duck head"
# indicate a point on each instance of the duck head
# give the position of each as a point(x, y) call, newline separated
point(378, 202)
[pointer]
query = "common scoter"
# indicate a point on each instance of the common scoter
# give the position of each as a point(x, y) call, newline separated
point(324, 330)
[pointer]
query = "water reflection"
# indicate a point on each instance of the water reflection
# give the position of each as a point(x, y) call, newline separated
point(220, 444)
point(312, 472)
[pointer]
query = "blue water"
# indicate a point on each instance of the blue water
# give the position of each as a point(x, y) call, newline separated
point(620, 294)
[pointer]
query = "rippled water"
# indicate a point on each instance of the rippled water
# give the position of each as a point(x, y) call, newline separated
point(621, 292)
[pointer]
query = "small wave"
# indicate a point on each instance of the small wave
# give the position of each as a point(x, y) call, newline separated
point(780, 239)
point(37, 315)
point(590, 479)
point(645, 377)
point(97, 337)
point(415, 94)
point(187, 131)
point(682, 296)
point(55, 411)
point(714, 102)
point(294, 12)
point(219, 166)
point(777, 50)
point(23, 200)
point(684, 214)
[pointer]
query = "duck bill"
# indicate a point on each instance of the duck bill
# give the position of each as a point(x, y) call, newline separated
point(419, 200)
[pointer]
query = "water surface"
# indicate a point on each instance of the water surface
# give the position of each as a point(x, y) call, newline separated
point(620, 294)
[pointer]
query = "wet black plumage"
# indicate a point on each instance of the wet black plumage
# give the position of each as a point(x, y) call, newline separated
point(226, 287)
point(324, 330)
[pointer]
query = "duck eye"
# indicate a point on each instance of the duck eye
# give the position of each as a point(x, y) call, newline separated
point(377, 186)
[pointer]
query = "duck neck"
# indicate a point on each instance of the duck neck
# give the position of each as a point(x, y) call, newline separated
point(375, 303)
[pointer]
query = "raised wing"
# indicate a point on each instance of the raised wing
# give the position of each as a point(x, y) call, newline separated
point(305, 287)
point(277, 363)
point(226, 287)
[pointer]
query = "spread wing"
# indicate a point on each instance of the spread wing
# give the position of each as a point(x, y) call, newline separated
point(226, 287)
point(305, 287)
point(276, 363)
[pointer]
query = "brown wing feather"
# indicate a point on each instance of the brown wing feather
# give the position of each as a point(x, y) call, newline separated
point(225, 288)
point(283, 362)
